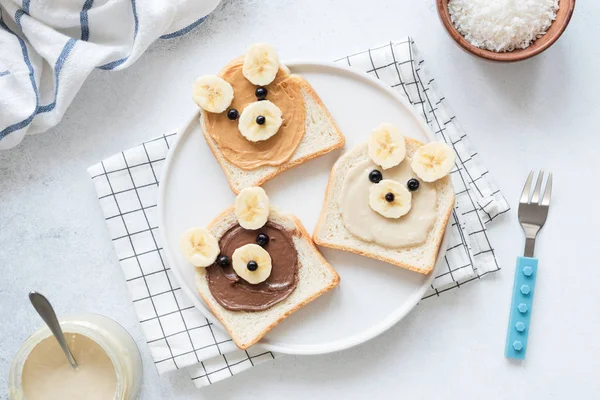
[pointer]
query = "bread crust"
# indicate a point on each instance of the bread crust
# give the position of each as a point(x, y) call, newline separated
point(437, 238)
point(305, 236)
point(288, 164)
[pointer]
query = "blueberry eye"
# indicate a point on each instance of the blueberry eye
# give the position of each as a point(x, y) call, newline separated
point(261, 93)
point(412, 184)
point(261, 120)
point(223, 261)
point(233, 114)
point(262, 239)
point(375, 176)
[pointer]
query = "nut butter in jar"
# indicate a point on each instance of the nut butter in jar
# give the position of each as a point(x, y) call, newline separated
point(110, 367)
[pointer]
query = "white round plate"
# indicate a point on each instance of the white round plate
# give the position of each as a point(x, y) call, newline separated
point(372, 295)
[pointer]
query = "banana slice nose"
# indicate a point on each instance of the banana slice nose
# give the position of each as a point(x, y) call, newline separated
point(252, 263)
point(260, 120)
point(390, 198)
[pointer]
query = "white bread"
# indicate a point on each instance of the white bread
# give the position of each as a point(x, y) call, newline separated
point(331, 232)
point(321, 136)
point(315, 277)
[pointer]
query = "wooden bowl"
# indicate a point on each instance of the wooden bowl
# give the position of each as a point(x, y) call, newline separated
point(563, 16)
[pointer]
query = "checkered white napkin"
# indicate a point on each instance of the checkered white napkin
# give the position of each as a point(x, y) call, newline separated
point(178, 335)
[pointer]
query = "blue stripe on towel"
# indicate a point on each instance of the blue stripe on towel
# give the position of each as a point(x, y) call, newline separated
point(26, 5)
point(4, 73)
point(115, 64)
point(83, 18)
point(57, 68)
point(185, 30)
point(20, 125)
point(18, 16)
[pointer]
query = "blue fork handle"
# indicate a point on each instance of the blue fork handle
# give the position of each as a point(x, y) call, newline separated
point(520, 309)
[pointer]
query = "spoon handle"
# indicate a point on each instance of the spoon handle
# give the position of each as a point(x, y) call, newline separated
point(43, 307)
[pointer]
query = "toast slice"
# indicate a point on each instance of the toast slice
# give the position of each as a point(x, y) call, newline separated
point(321, 136)
point(315, 277)
point(331, 232)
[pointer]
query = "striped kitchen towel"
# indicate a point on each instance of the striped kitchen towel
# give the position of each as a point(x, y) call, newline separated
point(50, 47)
point(178, 335)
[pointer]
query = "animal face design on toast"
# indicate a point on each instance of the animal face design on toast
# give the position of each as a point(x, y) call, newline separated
point(254, 109)
point(391, 197)
point(254, 264)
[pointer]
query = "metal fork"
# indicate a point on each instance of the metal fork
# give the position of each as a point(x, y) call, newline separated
point(532, 214)
point(533, 211)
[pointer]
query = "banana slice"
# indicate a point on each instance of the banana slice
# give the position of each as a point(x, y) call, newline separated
point(261, 64)
point(212, 94)
point(252, 208)
point(252, 263)
point(390, 199)
point(260, 120)
point(199, 247)
point(387, 147)
point(433, 161)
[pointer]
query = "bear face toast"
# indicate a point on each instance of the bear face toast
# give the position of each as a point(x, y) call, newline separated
point(389, 199)
point(259, 119)
point(255, 266)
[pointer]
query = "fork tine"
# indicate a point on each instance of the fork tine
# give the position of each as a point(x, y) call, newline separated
point(526, 189)
point(547, 191)
point(538, 187)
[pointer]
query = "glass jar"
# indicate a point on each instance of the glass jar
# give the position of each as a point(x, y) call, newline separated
point(108, 334)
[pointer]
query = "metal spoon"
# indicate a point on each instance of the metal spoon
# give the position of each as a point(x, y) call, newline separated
point(43, 307)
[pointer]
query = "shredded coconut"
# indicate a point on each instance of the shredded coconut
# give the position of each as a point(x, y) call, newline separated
point(502, 25)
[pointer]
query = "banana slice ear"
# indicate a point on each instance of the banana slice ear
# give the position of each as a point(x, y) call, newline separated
point(261, 64)
point(387, 147)
point(252, 208)
point(212, 93)
point(199, 247)
point(433, 161)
